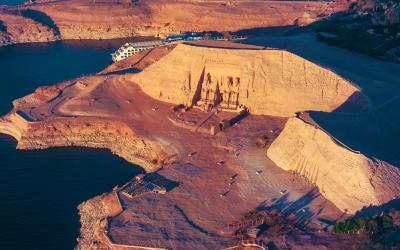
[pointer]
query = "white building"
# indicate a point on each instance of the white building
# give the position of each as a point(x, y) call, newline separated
point(129, 49)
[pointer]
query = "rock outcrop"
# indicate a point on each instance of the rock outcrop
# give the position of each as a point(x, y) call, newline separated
point(370, 27)
point(83, 132)
point(87, 19)
point(348, 179)
point(94, 214)
point(110, 111)
point(13, 125)
point(19, 29)
point(94, 132)
point(267, 81)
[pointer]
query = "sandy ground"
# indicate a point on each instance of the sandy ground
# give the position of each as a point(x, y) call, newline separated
point(191, 214)
point(206, 197)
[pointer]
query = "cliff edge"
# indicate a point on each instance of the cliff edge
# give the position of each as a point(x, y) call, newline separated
point(86, 19)
point(349, 179)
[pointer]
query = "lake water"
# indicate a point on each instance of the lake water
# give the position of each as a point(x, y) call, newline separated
point(24, 67)
point(40, 190)
point(11, 2)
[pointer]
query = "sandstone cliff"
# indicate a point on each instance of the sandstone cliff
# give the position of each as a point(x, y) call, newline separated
point(83, 132)
point(370, 27)
point(13, 125)
point(18, 29)
point(268, 82)
point(94, 214)
point(348, 179)
point(86, 19)
point(94, 132)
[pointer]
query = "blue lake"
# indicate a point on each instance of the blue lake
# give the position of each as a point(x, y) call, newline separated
point(40, 190)
point(11, 2)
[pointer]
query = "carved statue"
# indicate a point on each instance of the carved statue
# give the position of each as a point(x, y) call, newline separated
point(227, 86)
point(230, 81)
point(208, 81)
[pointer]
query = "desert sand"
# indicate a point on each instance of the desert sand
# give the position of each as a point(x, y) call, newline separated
point(302, 172)
point(86, 19)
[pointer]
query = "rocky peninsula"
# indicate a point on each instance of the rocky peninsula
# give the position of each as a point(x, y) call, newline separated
point(255, 152)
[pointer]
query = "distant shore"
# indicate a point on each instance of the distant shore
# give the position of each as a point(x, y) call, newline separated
point(61, 20)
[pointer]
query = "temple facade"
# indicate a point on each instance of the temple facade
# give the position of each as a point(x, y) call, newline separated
point(219, 89)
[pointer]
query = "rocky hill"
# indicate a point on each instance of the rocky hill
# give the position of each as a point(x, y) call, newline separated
point(86, 19)
point(269, 82)
point(279, 83)
point(20, 29)
point(368, 26)
point(347, 178)
point(301, 170)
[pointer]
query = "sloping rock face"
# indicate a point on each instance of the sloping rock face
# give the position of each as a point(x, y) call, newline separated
point(348, 179)
point(94, 214)
point(268, 82)
point(18, 29)
point(83, 132)
point(65, 131)
point(370, 27)
point(88, 19)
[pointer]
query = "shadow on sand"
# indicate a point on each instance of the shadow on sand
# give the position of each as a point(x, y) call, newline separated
point(385, 208)
point(41, 18)
point(372, 131)
point(124, 71)
point(298, 210)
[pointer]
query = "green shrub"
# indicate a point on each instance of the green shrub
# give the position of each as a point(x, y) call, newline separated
point(368, 225)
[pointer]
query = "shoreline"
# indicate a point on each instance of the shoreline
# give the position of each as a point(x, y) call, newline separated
point(63, 20)
point(122, 38)
point(136, 150)
point(132, 118)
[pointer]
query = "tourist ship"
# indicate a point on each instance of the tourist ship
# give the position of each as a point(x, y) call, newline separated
point(129, 49)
